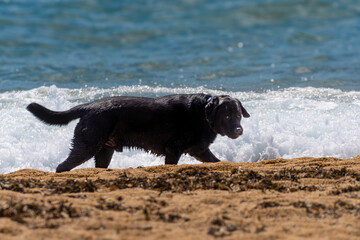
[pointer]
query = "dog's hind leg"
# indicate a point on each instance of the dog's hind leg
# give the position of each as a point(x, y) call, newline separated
point(88, 141)
point(103, 157)
point(77, 156)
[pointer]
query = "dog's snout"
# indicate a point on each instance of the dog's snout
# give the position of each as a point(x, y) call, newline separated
point(238, 130)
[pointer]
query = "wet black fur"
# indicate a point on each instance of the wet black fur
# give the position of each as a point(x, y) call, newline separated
point(168, 126)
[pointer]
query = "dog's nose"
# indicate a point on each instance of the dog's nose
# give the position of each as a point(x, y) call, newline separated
point(238, 130)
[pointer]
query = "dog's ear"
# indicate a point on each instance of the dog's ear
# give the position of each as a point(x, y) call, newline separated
point(210, 109)
point(243, 110)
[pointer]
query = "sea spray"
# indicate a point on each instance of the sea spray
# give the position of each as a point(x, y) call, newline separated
point(287, 123)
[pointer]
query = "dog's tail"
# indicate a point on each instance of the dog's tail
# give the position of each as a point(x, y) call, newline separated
point(53, 117)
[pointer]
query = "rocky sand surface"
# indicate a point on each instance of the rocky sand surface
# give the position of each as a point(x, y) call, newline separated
point(312, 198)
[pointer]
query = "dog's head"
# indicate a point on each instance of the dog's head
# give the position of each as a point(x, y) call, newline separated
point(224, 114)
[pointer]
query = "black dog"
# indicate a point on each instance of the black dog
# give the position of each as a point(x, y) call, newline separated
point(168, 126)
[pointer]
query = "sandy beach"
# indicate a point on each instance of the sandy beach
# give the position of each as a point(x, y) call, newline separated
point(312, 198)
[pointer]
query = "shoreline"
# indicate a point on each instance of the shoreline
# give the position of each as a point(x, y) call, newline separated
point(273, 199)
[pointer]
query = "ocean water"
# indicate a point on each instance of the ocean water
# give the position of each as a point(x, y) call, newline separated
point(295, 65)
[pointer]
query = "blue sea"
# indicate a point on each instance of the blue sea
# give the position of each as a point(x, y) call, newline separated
point(294, 64)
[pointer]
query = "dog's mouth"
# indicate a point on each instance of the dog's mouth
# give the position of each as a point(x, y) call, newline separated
point(233, 136)
point(237, 132)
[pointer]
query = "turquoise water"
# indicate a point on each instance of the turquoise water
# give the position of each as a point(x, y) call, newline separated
point(295, 65)
point(226, 45)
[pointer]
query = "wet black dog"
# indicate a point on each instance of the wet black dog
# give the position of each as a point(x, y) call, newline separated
point(168, 126)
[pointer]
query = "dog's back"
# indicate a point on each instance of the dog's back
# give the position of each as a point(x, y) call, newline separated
point(174, 121)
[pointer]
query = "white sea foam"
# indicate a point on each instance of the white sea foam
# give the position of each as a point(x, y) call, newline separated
point(288, 123)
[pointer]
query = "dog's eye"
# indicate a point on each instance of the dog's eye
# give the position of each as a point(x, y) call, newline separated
point(227, 117)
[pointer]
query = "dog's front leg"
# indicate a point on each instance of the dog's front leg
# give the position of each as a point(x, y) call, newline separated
point(172, 157)
point(206, 156)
